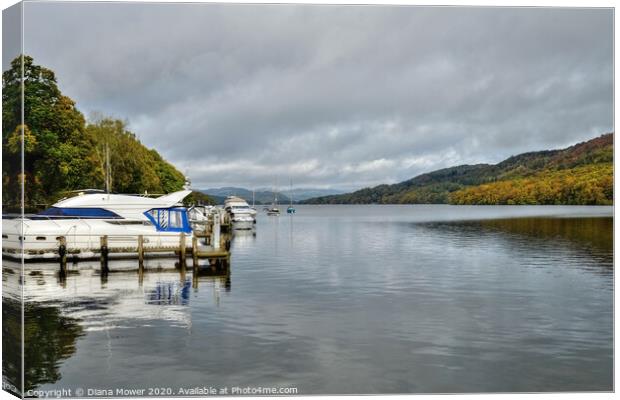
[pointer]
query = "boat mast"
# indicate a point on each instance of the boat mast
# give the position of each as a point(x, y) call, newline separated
point(108, 174)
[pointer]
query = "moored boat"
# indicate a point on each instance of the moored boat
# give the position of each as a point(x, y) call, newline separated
point(84, 219)
point(291, 209)
point(273, 211)
point(241, 214)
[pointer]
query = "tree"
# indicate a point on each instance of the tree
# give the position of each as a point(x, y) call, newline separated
point(61, 151)
point(133, 167)
point(198, 198)
point(56, 148)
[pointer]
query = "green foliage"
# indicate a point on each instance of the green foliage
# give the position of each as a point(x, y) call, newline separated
point(436, 193)
point(133, 167)
point(198, 199)
point(55, 144)
point(460, 184)
point(61, 151)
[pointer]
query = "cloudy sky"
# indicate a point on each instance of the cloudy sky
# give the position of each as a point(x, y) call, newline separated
point(331, 96)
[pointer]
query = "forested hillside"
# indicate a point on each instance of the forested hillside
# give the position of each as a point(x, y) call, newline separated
point(64, 152)
point(580, 174)
point(587, 185)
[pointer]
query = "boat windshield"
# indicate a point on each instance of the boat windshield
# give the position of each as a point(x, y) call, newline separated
point(74, 212)
point(169, 219)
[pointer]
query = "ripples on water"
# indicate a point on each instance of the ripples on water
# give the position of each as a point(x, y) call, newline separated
point(360, 299)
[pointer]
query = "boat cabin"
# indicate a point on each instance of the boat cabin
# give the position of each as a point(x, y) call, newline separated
point(172, 219)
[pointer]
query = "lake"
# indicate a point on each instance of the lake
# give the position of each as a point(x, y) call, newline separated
point(343, 300)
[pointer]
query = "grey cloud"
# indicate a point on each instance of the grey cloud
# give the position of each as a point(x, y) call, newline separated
point(340, 96)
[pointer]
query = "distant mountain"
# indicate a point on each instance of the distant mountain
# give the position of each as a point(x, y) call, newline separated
point(580, 174)
point(265, 196)
point(261, 197)
point(303, 194)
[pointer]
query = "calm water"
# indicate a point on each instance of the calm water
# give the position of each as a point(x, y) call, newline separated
point(348, 299)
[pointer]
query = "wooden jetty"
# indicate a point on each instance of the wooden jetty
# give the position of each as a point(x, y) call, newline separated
point(190, 246)
point(209, 240)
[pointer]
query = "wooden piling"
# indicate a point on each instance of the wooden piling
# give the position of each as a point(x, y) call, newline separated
point(195, 279)
point(194, 252)
point(62, 252)
point(104, 254)
point(182, 250)
point(141, 253)
point(215, 238)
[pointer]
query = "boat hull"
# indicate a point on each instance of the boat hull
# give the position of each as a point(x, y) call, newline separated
point(41, 239)
point(241, 214)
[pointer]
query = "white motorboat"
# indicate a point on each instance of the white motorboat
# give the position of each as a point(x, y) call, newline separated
point(83, 219)
point(241, 214)
point(199, 214)
point(273, 211)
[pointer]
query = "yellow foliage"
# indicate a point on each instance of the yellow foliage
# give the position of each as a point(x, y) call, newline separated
point(14, 144)
point(588, 185)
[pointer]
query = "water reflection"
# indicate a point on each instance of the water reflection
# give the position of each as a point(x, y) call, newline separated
point(583, 242)
point(60, 309)
point(241, 237)
point(170, 293)
point(49, 338)
point(587, 232)
point(11, 329)
point(11, 344)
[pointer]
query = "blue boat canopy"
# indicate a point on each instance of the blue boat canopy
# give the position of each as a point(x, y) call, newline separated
point(169, 219)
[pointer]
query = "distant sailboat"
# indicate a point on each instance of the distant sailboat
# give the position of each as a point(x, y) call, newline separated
point(274, 210)
point(291, 209)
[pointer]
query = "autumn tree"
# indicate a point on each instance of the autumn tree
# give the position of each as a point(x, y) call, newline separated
point(55, 147)
point(62, 152)
point(133, 167)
